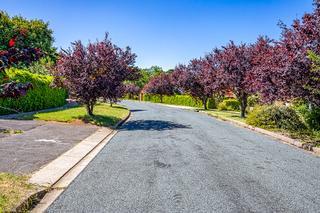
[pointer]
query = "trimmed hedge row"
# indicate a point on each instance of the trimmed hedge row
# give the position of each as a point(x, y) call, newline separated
point(229, 104)
point(183, 100)
point(42, 96)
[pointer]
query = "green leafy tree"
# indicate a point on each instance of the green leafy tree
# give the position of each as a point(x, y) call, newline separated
point(145, 75)
point(314, 82)
point(22, 42)
point(26, 33)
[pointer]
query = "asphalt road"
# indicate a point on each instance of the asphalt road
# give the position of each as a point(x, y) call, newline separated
point(174, 160)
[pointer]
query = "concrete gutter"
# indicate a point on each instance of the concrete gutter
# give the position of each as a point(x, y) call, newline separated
point(57, 188)
point(52, 172)
point(59, 173)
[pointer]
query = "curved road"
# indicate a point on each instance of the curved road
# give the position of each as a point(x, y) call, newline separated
point(173, 160)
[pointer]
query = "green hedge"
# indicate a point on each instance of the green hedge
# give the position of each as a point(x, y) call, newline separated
point(229, 104)
point(42, 96)
point(183, 100)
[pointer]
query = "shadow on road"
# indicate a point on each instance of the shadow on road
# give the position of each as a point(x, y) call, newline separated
point(137, 110)
point(156, 125)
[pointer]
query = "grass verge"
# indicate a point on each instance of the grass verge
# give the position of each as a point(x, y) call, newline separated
point(11, 131)
point(13, 190)
point(235, 115)
point(104, 115)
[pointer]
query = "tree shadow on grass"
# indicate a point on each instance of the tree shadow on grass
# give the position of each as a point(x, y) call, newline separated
point(153, 125)
point(118, 107)
point(100, 120)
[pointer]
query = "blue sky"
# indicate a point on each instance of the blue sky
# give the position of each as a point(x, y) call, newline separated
point(161, 32)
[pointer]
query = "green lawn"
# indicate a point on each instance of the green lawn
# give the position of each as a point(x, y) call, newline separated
point(104, 115)
point(225, 114)
point(13, 190)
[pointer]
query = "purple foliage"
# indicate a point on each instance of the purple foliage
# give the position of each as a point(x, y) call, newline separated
point(14, 89)
point(234, 68)
point(96, 70)
point(132, 90)
point(197, 79)
point(160, 85)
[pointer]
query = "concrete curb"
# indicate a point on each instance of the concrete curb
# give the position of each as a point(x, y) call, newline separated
point(122, 121)
point(52, 172)
point(50, 175)
point(59, 187)
point(285, 139)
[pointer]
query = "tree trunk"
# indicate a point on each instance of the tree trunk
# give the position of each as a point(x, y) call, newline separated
point(204, 102)
point(89, 108)
point(243, 105)
point(161, 98)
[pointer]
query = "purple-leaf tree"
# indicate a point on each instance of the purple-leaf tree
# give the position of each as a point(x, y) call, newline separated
point(235, 64)
point(96, 70)
point(132, 90)
point(296, 41)
point(160, 85)
point(196, 79)
point(268, 76)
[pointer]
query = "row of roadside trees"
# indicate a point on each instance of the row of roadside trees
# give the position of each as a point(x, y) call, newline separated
point(283, 69)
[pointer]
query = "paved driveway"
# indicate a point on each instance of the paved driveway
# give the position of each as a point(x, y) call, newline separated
point(173, 160)
point(39, 143)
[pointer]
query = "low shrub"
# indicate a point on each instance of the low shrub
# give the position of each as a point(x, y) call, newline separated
point(42, 96)
point(183, 100)
point(253, 100)
point(229, 104)
point(212, 103)
point(275, 117)
point(310, 116)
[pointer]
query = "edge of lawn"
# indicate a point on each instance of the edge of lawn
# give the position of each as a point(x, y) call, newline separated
point(15, 189)
point(104, 115)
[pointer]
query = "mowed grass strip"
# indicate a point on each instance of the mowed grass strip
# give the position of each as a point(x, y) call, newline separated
point(225, 114)
point(104, 115)
point(13, 190)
